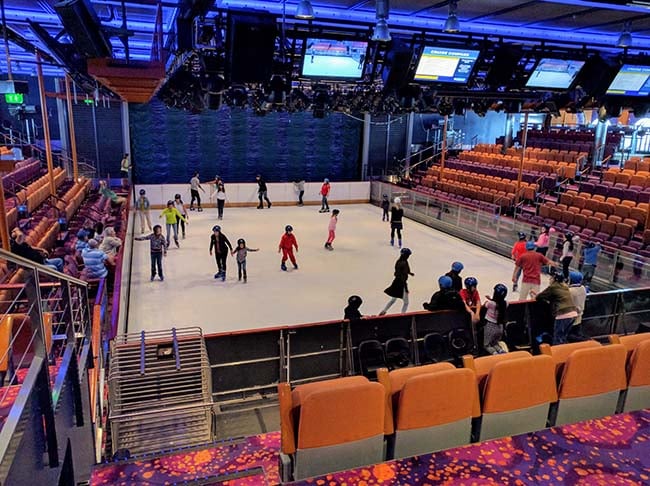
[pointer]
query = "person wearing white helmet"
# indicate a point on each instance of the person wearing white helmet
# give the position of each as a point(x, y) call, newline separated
point(324, 192)
point(396, 215)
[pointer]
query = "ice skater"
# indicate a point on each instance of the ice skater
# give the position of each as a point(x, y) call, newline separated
point(299, 186)
point(195, 185)
point(570, 240)
point(221, 245)
point(221, 198)
point(262, 192)
point(287, 243)
point(172, 215)
point(495, 319)
point(331, 229)
point(396, 215)
point(157, 248)
point(142, 206)
point(324, 192)
point(399, 288)
point(180, 205)
point(518, 249)
point(385, 206)
point(242, 252)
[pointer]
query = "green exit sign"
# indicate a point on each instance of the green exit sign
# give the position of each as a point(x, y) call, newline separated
point(14, 98)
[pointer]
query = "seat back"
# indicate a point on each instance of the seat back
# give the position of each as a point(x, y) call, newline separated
point(561, 352)
point(434, 412)
point(591, 383)
point(630, 341)
point(517, 396)
point(6, 325)
point(339, 427)
point(638, 374)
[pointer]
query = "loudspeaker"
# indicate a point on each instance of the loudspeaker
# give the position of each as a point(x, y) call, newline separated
point(80, 21)
point(596, 76)
point(503, 66)
point(398, 70)
point(251, 42)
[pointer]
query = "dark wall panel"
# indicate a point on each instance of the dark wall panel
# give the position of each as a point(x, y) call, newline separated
point(108, 143)
point(168, 145)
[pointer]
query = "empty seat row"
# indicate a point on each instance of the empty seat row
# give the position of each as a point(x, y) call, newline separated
point(637, 164)
point(491, 183)
point(342, 423)
point(627, 178)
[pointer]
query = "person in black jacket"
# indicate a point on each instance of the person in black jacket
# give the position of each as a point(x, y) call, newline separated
point(446, 298)
point(454, 274)
point(352, 312)
point(399, 288)
point(396, 215)
point(261, 192)
point(221, 246)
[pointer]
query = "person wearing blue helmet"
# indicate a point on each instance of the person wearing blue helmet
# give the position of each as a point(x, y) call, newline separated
point(579, 296)
point(398, 289)
point(221, 245)
point(325, 192)
point(495, 319)
point(446, 298)
point(454, 274)
point(471, 296)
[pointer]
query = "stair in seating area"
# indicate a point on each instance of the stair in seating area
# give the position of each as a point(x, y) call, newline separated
point(160, 391)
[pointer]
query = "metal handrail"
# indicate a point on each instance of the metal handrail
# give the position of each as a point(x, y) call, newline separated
point(41, 268)
point(436, 154)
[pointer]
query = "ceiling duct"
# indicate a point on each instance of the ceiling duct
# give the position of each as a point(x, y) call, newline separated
point(80, 21)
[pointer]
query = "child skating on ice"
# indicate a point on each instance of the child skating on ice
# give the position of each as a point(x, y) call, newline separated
point(242, 251)
point(221, 245)
point(287, 243)
point(331, 229)
point(158, 249)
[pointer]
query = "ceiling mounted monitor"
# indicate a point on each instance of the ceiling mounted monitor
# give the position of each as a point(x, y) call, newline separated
point(446, 65)
point(554, 73)
point(334, 59)
point(631, 80)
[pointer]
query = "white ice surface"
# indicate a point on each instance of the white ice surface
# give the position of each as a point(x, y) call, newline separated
point(362, 263)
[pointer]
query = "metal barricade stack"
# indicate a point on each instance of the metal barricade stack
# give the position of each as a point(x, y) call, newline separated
point(160, 391)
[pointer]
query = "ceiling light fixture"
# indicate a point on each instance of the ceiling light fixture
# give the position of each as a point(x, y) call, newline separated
point(625, 39)
point(381, 32)
point(452, 24)
point(305, 11)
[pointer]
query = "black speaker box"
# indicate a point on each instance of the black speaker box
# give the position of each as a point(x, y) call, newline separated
point(81, 23)
point(251, 43)
point(398, 71)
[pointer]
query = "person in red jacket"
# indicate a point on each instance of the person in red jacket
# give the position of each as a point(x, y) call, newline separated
point(324, 192)
point(518, 249)
point(287, 242)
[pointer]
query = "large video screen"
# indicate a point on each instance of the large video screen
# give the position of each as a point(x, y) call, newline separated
point(554, 73)
point(444, 65)
point(334, 59)
point(631, 80)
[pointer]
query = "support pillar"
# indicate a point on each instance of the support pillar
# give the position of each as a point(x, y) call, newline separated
point(73, 137)
point(409, 142)
point(365, 147)
point(4, 227)
point(524, 138)
point(444, 149)
point(46, 125)
point(510, 123)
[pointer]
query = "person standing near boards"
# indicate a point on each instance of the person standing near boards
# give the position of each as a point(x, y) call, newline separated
point(324, 192)
point(262, 192)
point(125, 167)
point(195, 186)
point(399, 288)
point(221, 198)
point(299, 185)
point(142, 206)
point(385, 206)
point(396, 215)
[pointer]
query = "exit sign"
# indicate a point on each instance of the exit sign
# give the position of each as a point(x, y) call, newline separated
point(14, 98)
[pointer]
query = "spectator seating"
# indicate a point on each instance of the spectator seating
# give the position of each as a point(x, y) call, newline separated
point(538, 160)
point(517, 394)
point(423, 418)
point(637, 396)
point(325, 429)
point(638, 165)
point(591, 383)
point(546, 180)
point(567, 139)
point(561, 352)
point(24, 172)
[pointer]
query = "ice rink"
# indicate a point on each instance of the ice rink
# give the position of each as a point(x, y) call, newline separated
point(362, 263)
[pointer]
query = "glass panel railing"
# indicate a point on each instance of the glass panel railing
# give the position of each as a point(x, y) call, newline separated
point(481, 223)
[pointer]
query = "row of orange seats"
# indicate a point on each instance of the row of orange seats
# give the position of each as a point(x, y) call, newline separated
point(532, 153)
point(627, 177)
point(429, 408)
point(477, 193)
point(597, 222)
point(637, 164)
point(597, 203)
point(34, 194)
point(564, 169)
point(71, 200)
point(492, 184)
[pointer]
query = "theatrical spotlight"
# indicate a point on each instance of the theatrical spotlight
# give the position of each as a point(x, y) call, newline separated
point(321, 101)
point(445, 108)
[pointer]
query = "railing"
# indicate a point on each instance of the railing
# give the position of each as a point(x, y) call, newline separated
point(248, 365)
point(481, 226)
point(45, 344)
point(435, 150)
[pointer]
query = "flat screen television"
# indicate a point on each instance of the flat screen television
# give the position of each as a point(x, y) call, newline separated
point(446, 65)
point(631, 80)
point(334, 59)
point(554, 73)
